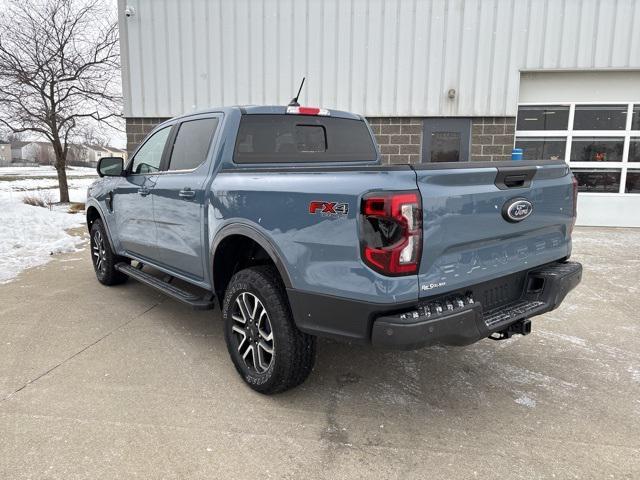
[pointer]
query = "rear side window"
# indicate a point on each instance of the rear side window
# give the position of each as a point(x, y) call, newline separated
point(192, 143)
point(302, 139)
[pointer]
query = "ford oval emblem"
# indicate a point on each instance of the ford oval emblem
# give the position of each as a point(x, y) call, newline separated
point(517, 209)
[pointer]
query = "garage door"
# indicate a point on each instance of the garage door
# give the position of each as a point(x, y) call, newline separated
point(592, 121)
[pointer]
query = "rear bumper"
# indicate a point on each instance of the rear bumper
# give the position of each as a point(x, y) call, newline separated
point(457, 318)
point(543, 290)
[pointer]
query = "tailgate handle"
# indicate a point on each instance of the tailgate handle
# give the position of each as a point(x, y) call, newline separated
point(515, 181)
point(514, 177)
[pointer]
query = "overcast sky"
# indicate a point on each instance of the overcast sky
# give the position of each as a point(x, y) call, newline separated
point(118, 139)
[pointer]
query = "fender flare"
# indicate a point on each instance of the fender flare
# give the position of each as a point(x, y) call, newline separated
point(254, 234)
point(96, 205)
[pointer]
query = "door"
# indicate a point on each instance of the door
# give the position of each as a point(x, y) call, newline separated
point(179, 196)
point(446, 140)
point(133, 200)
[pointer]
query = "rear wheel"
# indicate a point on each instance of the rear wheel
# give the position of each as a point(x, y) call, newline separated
point(103, 258)
point(266, 347)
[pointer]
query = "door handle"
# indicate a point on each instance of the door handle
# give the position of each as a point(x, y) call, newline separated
point(186, 193)
point(144, 191)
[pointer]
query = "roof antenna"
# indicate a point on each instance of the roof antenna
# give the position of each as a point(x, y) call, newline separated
point(294, 100)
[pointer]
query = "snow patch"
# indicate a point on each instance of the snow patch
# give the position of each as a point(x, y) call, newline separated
point(45, 171)
point(567, 338)
point(525, 400)
point(30, 235)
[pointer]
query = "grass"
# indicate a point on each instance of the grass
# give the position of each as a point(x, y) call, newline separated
point(76, 207)
point(16, 177)
point(34, 200)
point(44, 199)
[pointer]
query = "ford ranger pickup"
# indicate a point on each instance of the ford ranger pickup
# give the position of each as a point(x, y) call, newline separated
point(287, 217)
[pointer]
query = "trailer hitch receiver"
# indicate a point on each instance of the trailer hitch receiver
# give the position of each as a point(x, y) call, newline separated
point(521, 327)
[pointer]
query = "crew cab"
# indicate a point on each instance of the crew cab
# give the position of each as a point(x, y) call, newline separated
point(286, 217)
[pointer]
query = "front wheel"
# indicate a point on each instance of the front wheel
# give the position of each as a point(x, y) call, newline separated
point(266, 347)
point(103, 258)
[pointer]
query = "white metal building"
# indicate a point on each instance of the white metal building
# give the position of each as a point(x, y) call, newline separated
point(434, 76)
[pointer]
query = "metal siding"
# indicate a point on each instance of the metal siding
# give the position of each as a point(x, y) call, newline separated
point(375, 57)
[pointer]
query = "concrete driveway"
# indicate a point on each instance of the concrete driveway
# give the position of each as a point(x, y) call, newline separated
point(121, 382)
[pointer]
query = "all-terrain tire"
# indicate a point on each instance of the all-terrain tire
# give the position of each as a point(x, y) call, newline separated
point(103, 258)
point(293, 351)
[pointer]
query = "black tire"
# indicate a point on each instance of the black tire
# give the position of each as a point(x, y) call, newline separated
point(103, 258)
point(293, 351)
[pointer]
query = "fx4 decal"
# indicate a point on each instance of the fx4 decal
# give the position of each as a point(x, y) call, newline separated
point(328, 208)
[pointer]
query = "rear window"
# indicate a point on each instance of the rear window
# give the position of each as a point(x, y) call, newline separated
point(302, 139)
point(192, 143)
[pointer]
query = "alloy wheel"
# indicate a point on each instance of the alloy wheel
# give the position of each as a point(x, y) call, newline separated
point(99, 252)
point(252, 329)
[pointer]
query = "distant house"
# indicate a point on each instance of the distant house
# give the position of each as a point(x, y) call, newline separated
point(118, 152)
point(77, 155)
point(33, 152)
point(5, 153)
point(96, 152)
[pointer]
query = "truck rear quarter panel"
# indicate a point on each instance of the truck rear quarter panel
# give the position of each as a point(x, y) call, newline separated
point(321, 252)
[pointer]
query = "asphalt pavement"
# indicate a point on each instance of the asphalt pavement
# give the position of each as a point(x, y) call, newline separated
point(123, 383)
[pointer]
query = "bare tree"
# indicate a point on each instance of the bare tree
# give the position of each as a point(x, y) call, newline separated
point(92, 135)
point(59, 71)
point(13, 137)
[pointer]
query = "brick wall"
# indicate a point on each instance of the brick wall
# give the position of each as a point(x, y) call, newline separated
point(400, 138)
point(137, 129)
point(492, 138)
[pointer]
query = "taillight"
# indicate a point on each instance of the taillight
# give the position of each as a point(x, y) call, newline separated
point(575, 203)
point(391, 232)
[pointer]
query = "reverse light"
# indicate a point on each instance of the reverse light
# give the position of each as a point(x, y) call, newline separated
point(308, 111)
point(391, 232)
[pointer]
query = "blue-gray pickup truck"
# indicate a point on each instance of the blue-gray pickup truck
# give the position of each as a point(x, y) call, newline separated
point(287, 216)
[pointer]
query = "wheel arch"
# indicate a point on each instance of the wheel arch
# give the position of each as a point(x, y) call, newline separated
point(238, 246)
point(94, 213)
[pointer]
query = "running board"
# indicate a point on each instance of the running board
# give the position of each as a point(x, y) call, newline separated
point(206, 302)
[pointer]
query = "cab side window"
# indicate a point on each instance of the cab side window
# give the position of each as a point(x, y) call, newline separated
point(192, 143)
point(149, 157)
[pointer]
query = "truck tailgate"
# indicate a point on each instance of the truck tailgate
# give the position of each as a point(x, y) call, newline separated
point(467, 236)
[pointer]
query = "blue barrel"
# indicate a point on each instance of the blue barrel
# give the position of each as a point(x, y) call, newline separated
point(516, 154)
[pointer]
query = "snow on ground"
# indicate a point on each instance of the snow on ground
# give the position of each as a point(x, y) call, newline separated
point(45, 171)
point(30, 235)
point(43, 182)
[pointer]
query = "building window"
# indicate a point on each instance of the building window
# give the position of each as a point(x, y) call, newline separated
point(545, 117)
point(599, 141)
point(596, 149)
point(635, 118)
point(634, 149)
point(600, 117)
point(597, 180)
point(632, 184)
point(542, 148)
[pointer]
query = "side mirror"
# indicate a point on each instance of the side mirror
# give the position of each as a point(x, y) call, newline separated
point(110, 167)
